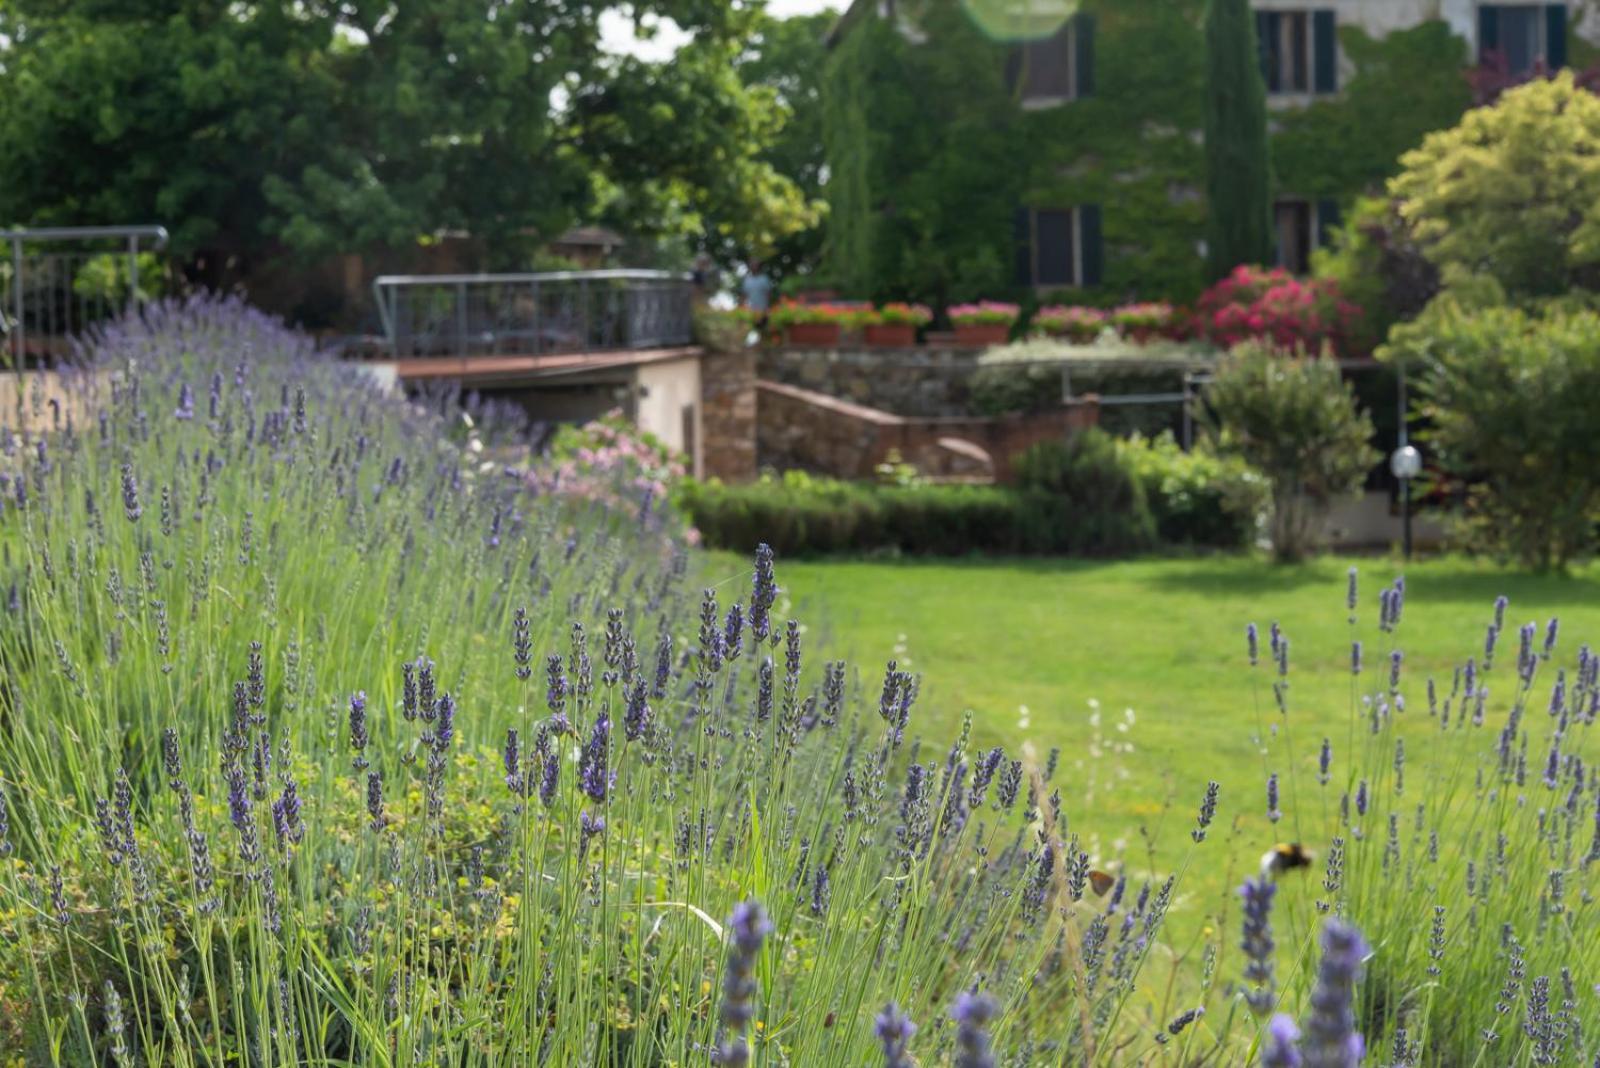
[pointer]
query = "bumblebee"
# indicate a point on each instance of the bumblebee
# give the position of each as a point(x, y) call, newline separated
point(1286, 856)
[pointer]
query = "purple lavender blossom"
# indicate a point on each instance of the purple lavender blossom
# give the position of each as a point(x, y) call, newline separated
point(522, 644)
point(763, 593)
point(637, 715)
point(511, 760)
point(1257, 942)
point(1361, 798)
point(1395, 657)
point(972, 1013)
point(1208, 811)
point(555, 694)
point(185, 408)
point(748, 928)
point(594, 779)
point(733, 633)
point(1350, 592)
point(549, 777)
point(1550, 638)
point(130, 494)
point(1272, 798)
point(375, 800)
point(1355, 658)
point(1279, 1050)
point(1252, 643)
point(1324, 761)
point(894, 1030)
point(358, 727)
point(1331, 1039)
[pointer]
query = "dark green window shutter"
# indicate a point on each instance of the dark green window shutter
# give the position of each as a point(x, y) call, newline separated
point(1093, 245)
point(1488, 29)
point(1325, 52)
point(1267, 46)
point(1083, 53)
point(1555, 35)
point(1329, 219)
point(1022, 243)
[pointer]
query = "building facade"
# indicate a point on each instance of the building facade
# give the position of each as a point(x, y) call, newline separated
point(1092, 145)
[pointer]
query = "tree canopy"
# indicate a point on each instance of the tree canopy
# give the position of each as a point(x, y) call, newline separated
point(255, 131)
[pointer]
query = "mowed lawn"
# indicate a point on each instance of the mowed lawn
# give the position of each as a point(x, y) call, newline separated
point(1138, 671)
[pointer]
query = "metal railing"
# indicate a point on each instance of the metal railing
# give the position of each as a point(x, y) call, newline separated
point(532, 314)
point(51, 293)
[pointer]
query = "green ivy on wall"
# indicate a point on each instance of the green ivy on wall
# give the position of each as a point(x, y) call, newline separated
point(930, 153)
point(1406, 84)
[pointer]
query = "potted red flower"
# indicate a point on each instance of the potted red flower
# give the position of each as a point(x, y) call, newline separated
point(893, 325)
point(1076, 324)
point(987, 322)
point(810, 325)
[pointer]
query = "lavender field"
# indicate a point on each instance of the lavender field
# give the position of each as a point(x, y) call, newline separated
point(327, 740)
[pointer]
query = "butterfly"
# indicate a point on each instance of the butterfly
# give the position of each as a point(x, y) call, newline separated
point(1101, 882)
point(1285, 856)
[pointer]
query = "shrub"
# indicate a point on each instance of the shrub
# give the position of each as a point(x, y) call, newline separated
point(1198, 497)
point(803, 515)
point(1509, 193)
point(611, 461)
point(984, 313)
point(1375, 261)
point(1088, 470)
point(1294, 420)
point(1511, 399)
point(1275, 308)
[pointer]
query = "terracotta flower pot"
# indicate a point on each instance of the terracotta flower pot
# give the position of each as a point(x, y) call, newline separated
point(982, 333)
point(889, 335)
point(813, 335)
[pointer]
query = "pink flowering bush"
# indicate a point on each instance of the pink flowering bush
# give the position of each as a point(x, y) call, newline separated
point(611, 461)
point(1280, 310)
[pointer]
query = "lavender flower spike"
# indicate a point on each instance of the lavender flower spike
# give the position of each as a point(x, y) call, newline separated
point(748, 927)
point(1257, 942)
point(972, 1013)
point(1331, 1039)
point(1280, 1050)
point(894, 1029)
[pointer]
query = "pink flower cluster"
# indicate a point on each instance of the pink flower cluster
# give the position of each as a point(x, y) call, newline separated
point(1253, 304)
point(611, 461)
point(984, 313)
point(1076, 322)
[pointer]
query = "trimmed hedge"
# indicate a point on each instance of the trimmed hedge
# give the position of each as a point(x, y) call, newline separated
point(800, 515)
point(1089, 496)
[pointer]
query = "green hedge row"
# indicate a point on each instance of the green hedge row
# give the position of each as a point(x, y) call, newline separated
point(1088, 496)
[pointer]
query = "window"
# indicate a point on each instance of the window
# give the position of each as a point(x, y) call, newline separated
point(1055, 69)
point(1058, 247)
point(1524, 37)
point(1298, 227)
point(1299, 51)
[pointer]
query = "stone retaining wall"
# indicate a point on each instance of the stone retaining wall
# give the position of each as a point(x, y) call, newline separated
point(801, 428)
point(919, 380)
point(728, 414)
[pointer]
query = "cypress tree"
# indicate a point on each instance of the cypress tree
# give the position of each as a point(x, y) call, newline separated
point(1238, 183)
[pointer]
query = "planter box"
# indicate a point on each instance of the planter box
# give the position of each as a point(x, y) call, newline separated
point(983, 333)
point(813, 335)
point(889, 335)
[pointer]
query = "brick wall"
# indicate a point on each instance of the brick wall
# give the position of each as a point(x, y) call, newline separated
point(801, 428)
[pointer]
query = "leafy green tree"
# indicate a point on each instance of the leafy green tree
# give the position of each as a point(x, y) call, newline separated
point(1238, 181)
point(1296, 421)
point(1509, 397)
point(260, 130)
point(787, 58)
point(1509, 194)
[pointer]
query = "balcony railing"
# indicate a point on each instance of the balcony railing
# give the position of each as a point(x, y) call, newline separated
point(57, 281)
point(461, 315)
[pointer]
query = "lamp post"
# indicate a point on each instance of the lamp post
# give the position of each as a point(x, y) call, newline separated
point(1406, 464)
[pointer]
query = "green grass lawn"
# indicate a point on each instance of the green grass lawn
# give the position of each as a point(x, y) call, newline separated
point(1138, 672)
